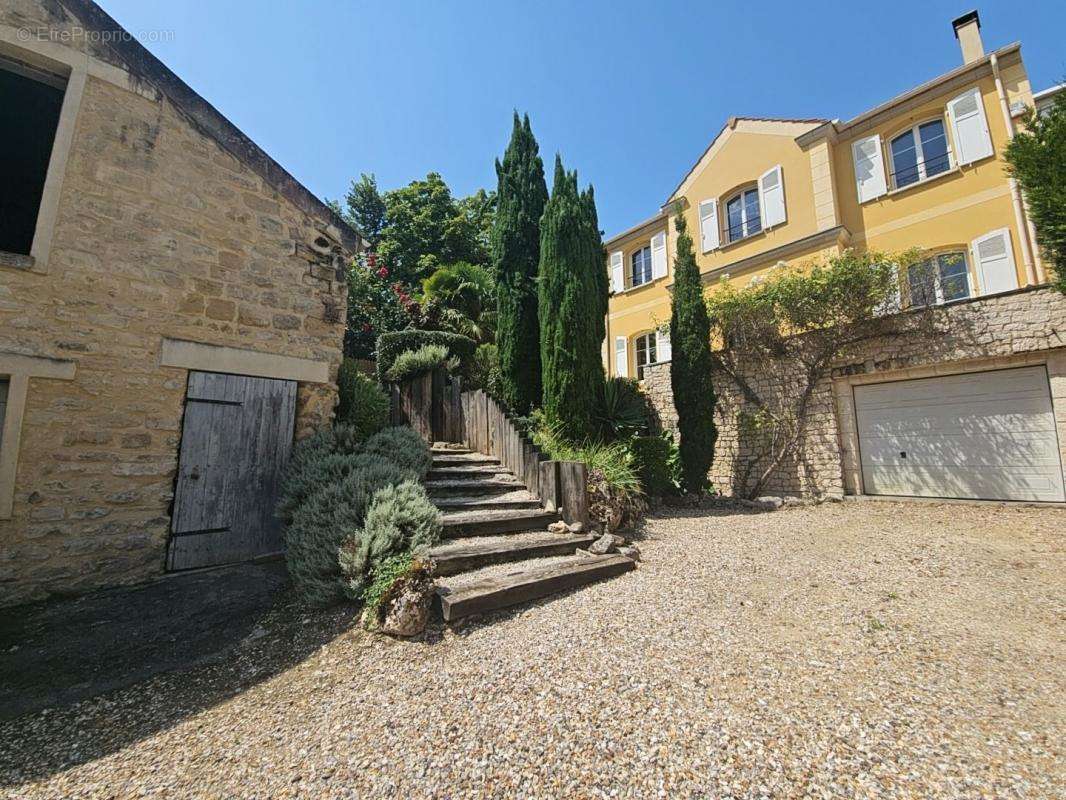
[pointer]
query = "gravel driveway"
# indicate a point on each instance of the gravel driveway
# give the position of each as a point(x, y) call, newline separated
point(856, 649)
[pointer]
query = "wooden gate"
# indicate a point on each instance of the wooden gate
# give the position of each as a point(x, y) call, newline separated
point(235, 442)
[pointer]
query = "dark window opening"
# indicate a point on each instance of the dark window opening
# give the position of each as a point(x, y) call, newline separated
point(29, 114)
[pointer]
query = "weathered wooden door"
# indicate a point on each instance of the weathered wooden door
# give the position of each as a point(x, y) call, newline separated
point(235, 442)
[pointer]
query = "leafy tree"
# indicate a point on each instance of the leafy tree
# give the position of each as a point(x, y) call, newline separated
point(366, 208)
point(520, 200)
point(461, 298)
point(480, 212)
point(797, 323)
point(376, 305)
point(1037, 159)
point(571, 256)
point(425, 229)
point(691, 365)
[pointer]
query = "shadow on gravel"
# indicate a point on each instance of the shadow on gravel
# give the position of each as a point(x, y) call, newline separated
point(175, 647)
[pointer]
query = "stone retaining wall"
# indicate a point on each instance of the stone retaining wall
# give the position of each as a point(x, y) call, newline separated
point(1020, 328)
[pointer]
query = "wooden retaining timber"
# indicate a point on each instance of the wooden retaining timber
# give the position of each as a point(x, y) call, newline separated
point(436, 406)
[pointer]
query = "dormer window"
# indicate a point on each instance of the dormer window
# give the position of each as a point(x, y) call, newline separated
point(919, 153)
point(742, 215)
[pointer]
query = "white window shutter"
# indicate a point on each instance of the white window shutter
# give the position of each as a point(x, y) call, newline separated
point(969, 127)
point(994, 262)
point(621, 357)
point(662, 347)
point(869, 168)
point(658, 255)
point(709, 225)
point(772, 197)
point(618, 273)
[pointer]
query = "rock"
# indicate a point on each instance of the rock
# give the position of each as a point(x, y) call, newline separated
point(769, 502)
point(558, 527)
point(407, 611)
point(630, 551)
point(605, 544)
point(576, 527)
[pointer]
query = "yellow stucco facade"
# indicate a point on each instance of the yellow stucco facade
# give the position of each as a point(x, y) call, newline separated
point(818, 186)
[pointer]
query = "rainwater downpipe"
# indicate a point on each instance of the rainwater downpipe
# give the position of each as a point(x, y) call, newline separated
point(1034, 272)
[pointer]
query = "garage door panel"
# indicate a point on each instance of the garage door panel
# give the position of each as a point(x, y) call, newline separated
point(987, 449)
point(964, 482)
point(984, 435)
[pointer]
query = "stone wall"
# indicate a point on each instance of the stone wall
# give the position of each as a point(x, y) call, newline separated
point(982, 333)
point(160, 233)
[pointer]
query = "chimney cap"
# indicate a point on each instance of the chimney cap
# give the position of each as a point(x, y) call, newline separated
point(965, 19)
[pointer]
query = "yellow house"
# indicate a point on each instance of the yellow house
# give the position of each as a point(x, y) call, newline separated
point(924, 169)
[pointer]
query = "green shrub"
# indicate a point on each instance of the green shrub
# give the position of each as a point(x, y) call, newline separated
point(324, 520)
point(402, 446)
point(414, 363)
point(383, 575)
point(390, 345)
point(625, 409)
point(485, 372)
point(399, 519)
point(658, 463)
point(614, 459)
point(363, 403)
point(303, 479)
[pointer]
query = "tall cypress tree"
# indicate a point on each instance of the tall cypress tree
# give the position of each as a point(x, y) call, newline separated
point(691, 364)
point(520, 198)
point(572, 294)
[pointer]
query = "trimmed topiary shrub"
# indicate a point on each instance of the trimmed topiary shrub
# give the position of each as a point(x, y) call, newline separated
point(403, 447)
point(325, 519)
point(412, 363)
point(399, 519)
point(390, 345)
point(363, 403)
point(658, 464)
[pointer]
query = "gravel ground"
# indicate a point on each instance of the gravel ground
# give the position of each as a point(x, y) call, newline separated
point(848, 650)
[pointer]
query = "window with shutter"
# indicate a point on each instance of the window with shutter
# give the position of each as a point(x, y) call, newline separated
point(662, 341)
point(772, 197)
point(618, 278)
point(969, 127)
point(869, 168)
point(646, 352)
point(709, 225)
point(658, 256)
point(994, 262)
point(621, 357)
point(640, 262)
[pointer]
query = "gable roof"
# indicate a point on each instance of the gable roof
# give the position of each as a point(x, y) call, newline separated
point(731, 124)
point(205, 117)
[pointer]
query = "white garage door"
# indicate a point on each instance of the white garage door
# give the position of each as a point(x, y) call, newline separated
point(982, 435)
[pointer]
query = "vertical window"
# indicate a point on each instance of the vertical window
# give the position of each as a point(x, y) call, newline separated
point(641, 266)
point(940, 279)
point(646, 352)
point(742, 215)
point(30, 101)
point(919, 153)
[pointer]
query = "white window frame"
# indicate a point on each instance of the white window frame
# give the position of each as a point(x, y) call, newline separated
point(915, 134)
point(651, 345)
point(938, 284)
point(633, 283)
point(740, 193)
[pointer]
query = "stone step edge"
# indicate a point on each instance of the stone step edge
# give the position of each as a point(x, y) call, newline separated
point(474, 556)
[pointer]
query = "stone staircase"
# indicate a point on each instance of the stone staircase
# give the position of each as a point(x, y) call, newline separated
point(497, 549)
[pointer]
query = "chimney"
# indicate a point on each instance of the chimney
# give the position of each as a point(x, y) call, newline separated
point(968, 32)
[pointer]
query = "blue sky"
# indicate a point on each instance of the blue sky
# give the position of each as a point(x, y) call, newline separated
point(630, 93)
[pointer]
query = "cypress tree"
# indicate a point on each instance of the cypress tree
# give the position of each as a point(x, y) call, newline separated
point(520, 197)
point(572, 296)
point(691, 364)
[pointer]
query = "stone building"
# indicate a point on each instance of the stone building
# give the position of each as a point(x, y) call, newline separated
point(169, 295)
